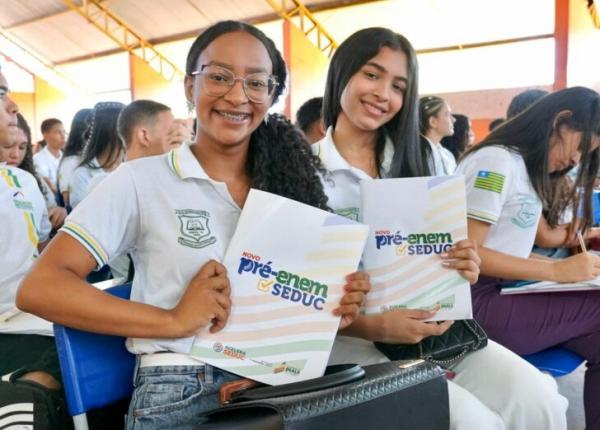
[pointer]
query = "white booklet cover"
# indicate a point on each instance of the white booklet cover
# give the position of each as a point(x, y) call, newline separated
point(412, 221)
point(287, 264)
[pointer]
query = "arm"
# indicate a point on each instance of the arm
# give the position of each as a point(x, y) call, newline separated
point(580, 267)
point(548, 237)
point(55, 290)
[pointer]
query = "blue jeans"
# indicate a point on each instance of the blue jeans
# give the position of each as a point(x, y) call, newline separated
point(174, 397)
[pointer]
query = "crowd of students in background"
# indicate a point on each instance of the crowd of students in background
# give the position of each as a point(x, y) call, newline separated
point(125, 170)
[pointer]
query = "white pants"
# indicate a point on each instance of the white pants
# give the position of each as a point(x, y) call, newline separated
point(493, 388)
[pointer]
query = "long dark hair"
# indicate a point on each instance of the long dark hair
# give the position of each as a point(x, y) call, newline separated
point(529, 135)
point(457, 143)
point(279, 158)
point(27, 163)
point(403, 129)
point(102, 135)
point(76, 139)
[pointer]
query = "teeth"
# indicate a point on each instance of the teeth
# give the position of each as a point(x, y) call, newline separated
point(234, 117)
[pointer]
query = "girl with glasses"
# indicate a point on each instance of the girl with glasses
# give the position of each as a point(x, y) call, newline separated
point(179, 287)
point(371, 110)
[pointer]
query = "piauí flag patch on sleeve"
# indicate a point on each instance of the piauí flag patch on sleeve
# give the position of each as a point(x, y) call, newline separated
point(489, 181)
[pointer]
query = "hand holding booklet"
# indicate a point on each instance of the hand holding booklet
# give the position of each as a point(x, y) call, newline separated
point(287, 264)
point(413, 221)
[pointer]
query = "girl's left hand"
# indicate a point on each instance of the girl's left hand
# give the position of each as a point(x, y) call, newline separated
point(464, 258)
point(357, 286)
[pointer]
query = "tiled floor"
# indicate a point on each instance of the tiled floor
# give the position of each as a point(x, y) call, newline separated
point(571, 386)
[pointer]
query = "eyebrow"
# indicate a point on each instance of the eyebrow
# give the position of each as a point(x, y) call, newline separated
point(383, 69)
point(230, 67)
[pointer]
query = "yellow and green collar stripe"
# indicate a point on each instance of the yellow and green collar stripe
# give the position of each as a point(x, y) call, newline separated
point(174, 161)
point(10, 178)
point(88, 241)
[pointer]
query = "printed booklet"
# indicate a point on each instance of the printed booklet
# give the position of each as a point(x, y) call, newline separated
point(287, 264)
point(413, 221)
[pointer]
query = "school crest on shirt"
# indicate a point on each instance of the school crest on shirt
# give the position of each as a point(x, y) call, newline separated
point(194, 228)
point(528, 214)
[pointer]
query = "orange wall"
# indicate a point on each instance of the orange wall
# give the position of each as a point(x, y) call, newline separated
point(146, 83)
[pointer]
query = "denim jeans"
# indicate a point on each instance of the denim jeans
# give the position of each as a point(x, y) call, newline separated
point(174, 397)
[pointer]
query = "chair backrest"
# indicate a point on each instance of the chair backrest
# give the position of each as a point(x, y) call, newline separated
point(557, 361)
point(97, 369)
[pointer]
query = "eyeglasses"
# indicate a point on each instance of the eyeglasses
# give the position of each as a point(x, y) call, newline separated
point(218, 81)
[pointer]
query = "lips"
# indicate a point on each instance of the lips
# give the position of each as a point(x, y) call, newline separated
point(374, 109)
point(233, 116)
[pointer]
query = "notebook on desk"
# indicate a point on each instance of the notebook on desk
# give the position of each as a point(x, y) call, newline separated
point(532, 287)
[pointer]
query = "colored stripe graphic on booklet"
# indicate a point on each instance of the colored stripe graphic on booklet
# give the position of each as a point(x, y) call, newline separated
point(408, 235)
point(287, 264)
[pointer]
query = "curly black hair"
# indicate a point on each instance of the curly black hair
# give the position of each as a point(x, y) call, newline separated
point(280, 160)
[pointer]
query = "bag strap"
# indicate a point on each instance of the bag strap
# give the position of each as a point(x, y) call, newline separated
point(334, 375)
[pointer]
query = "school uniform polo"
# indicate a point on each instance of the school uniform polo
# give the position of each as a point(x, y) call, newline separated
point(169, 216)
point(65, 172)
point(342, 183)
point(46, 165)
point(500, 193)
point(23, 224)
point(441, 162)
point(80, 181)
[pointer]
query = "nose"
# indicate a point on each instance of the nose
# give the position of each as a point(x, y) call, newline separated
point(236, 94)
point(14, 153)
point(382, 90)
point(11, 106)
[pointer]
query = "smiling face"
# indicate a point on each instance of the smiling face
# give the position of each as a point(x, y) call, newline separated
point(375, 94)
point(229, 119)
point(8, 114)
point(565, 148)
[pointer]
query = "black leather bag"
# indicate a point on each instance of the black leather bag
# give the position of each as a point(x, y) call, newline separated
point(396, 395)
point(463, 337)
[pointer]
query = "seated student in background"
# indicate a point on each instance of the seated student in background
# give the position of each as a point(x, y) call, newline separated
point(47, 159)
point(371, 111)
point(496, 123)
point(508, 178)
point(148, 128)
point(24, 230)
point(103, 150)
point(234, 74)
point(461, 139)
point(72, 152)
point(309, 119)
point(435, 123)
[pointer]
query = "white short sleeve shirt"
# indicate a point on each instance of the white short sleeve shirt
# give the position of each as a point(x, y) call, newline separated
point(65, 171)
point(500, 193)
point(46, 165)
point(80, 182)
point(441, 161)
point(169, 216)
point(23, 223)
point(342, 183)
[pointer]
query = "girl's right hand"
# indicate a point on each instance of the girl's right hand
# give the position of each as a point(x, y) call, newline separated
point(206, 301)
point(578, 268)
point(406, 326)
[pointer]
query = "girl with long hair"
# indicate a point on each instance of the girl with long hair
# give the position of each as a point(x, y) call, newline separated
point(234, 74)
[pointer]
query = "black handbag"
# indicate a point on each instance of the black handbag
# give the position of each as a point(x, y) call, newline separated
point(403, 395)
point(463, 337)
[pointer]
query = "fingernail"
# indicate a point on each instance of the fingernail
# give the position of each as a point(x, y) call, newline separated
point(444, 255)
point(446, 263)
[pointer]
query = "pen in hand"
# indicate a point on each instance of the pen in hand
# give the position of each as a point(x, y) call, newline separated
point(581, 242)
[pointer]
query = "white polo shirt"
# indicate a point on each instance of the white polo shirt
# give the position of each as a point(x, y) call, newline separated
point(500, 193)
point(80, 181)
point(65, 171)
point(46, 165)
point(23, 223)
point(442, 162)
point(169, 216)
point(342, 187)
point(342, 184)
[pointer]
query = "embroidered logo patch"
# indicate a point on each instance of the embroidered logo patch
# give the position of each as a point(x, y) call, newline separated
point(529, 214)
point(194, 228)
point(489, 181)
point(351, 213)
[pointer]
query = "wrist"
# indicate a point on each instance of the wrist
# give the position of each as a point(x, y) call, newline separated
point(554, 271)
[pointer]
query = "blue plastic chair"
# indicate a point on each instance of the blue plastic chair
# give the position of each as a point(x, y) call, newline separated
point(97, 370)
point(557, 361)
